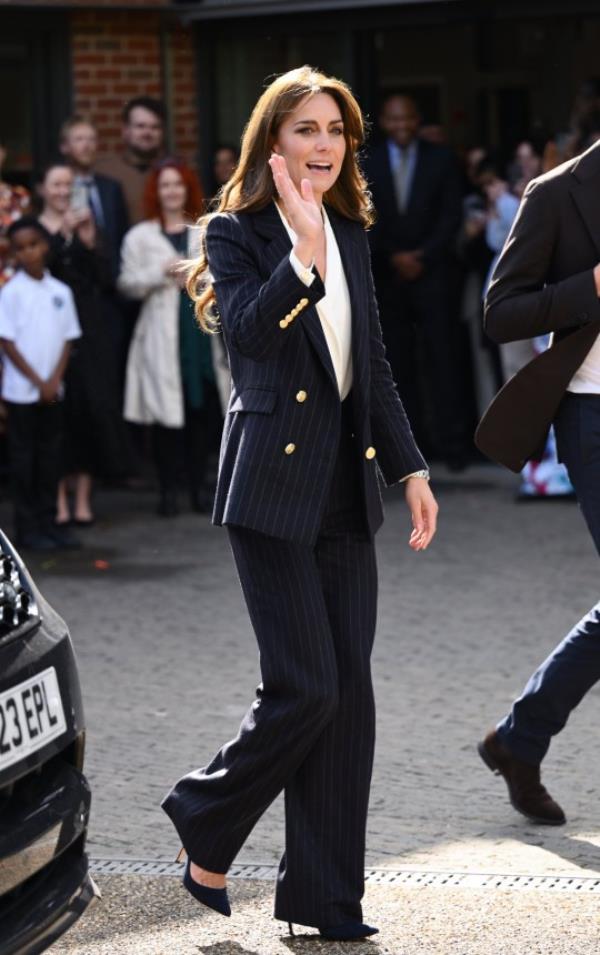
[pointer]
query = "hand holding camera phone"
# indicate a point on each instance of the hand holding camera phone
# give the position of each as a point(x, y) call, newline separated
point(79, 198)
point(79, 218)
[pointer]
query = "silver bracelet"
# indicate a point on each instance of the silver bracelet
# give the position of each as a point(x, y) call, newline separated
point(420, 474)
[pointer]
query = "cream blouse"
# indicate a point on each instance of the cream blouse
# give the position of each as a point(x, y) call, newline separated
point(334, 310)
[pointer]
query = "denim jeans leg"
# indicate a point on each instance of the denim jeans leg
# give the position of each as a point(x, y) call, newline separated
point(564, 678)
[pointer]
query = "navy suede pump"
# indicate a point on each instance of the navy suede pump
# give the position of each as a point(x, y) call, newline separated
point(346, 932)
point(214, 898)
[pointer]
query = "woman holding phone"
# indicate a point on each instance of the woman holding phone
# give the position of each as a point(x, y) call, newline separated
point(314, 418)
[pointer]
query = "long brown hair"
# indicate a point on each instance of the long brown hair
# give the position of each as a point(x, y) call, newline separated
point(251, 186)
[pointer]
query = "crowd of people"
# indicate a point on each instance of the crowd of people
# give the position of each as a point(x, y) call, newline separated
point(100, 345)
point(104, 237)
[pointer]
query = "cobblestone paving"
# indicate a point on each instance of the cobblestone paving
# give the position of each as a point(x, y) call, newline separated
point(169, 664)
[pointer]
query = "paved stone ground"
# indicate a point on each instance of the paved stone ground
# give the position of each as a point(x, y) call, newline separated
point(144, 916)
point(169, 664)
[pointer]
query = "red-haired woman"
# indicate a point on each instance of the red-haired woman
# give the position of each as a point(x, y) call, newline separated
point(170, 375)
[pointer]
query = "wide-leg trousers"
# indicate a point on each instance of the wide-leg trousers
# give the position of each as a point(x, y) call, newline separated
point(573, 667)
point(311, 729)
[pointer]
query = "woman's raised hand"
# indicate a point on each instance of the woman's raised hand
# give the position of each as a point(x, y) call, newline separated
point(80, 221)
point(301, 208)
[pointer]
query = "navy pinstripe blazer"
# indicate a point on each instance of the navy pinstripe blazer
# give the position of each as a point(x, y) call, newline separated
point(282, 427)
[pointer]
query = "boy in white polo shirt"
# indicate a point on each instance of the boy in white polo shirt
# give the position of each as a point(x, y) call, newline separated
point(38, 322)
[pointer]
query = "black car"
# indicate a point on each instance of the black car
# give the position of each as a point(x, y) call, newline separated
point(44, 796)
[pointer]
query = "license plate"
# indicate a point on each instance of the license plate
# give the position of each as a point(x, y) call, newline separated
point(31, 715)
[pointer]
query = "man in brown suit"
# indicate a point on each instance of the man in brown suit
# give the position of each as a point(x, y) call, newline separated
point(548, 280)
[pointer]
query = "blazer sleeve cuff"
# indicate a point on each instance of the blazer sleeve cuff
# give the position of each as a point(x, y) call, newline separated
point(577, 299)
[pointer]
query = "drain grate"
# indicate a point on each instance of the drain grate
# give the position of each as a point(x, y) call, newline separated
point(408, 878)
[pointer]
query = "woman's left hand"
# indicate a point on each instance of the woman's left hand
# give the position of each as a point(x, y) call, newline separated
point(423, 510)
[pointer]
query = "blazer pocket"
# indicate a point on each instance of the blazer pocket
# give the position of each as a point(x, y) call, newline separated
point(257, 400)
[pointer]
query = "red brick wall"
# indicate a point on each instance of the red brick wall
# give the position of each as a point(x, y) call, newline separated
point(117, 55)
point(184, 106)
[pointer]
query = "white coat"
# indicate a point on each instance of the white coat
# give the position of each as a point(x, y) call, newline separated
point(153, 386)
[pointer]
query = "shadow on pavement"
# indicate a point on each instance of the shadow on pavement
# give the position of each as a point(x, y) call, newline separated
point(568, 847)
point(312, 942)
point(93, 561)
point(226, 948)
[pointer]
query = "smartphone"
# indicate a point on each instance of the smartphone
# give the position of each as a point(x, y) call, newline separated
point(79, 197)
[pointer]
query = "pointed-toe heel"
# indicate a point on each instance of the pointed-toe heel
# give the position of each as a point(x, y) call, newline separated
point(216, 899)
point(348, 932)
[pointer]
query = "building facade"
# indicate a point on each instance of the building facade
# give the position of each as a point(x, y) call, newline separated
point(491, 71)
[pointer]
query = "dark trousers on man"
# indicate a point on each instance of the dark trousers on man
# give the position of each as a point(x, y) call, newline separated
point(35, 449)
point(422, 352)
point(311, 730)
point(573, 667)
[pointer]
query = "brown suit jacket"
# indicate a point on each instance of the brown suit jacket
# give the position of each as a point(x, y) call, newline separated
point(544, 282)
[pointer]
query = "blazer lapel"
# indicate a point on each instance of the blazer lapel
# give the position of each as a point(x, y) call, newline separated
point(268, 224)
point(586, 191)
point(350, 254)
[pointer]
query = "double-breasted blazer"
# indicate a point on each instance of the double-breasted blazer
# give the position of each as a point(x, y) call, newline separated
point(282, 429)
point(544, 282)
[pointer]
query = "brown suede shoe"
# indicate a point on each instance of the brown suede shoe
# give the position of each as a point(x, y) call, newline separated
point(527, 795)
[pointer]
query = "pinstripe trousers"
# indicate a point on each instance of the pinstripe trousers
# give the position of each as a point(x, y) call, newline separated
point(311, 729)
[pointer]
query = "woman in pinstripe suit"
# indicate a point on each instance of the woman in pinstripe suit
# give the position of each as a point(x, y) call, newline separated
point(314, 417)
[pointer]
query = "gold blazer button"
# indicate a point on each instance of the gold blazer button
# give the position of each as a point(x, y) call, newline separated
point(301, 396)
point(290, 448)
point(283, 323)
point(370, 454)
point(303, 302)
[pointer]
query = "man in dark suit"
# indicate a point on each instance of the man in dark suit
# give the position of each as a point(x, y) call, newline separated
point(548, 280)
point(79, 145)
point(416, 191)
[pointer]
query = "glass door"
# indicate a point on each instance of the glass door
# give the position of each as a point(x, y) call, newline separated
point(244, 68)
point(235, 67)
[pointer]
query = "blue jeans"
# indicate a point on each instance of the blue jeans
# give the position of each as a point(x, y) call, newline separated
point(564, 678)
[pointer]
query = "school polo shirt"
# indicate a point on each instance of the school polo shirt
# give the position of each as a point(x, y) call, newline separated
point(39, 316)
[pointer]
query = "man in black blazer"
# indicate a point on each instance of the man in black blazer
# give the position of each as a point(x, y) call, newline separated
point(79, 144)
point(416, 191)
point(548, 280)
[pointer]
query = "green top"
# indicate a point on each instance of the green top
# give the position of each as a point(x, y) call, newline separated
point(195, 357)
